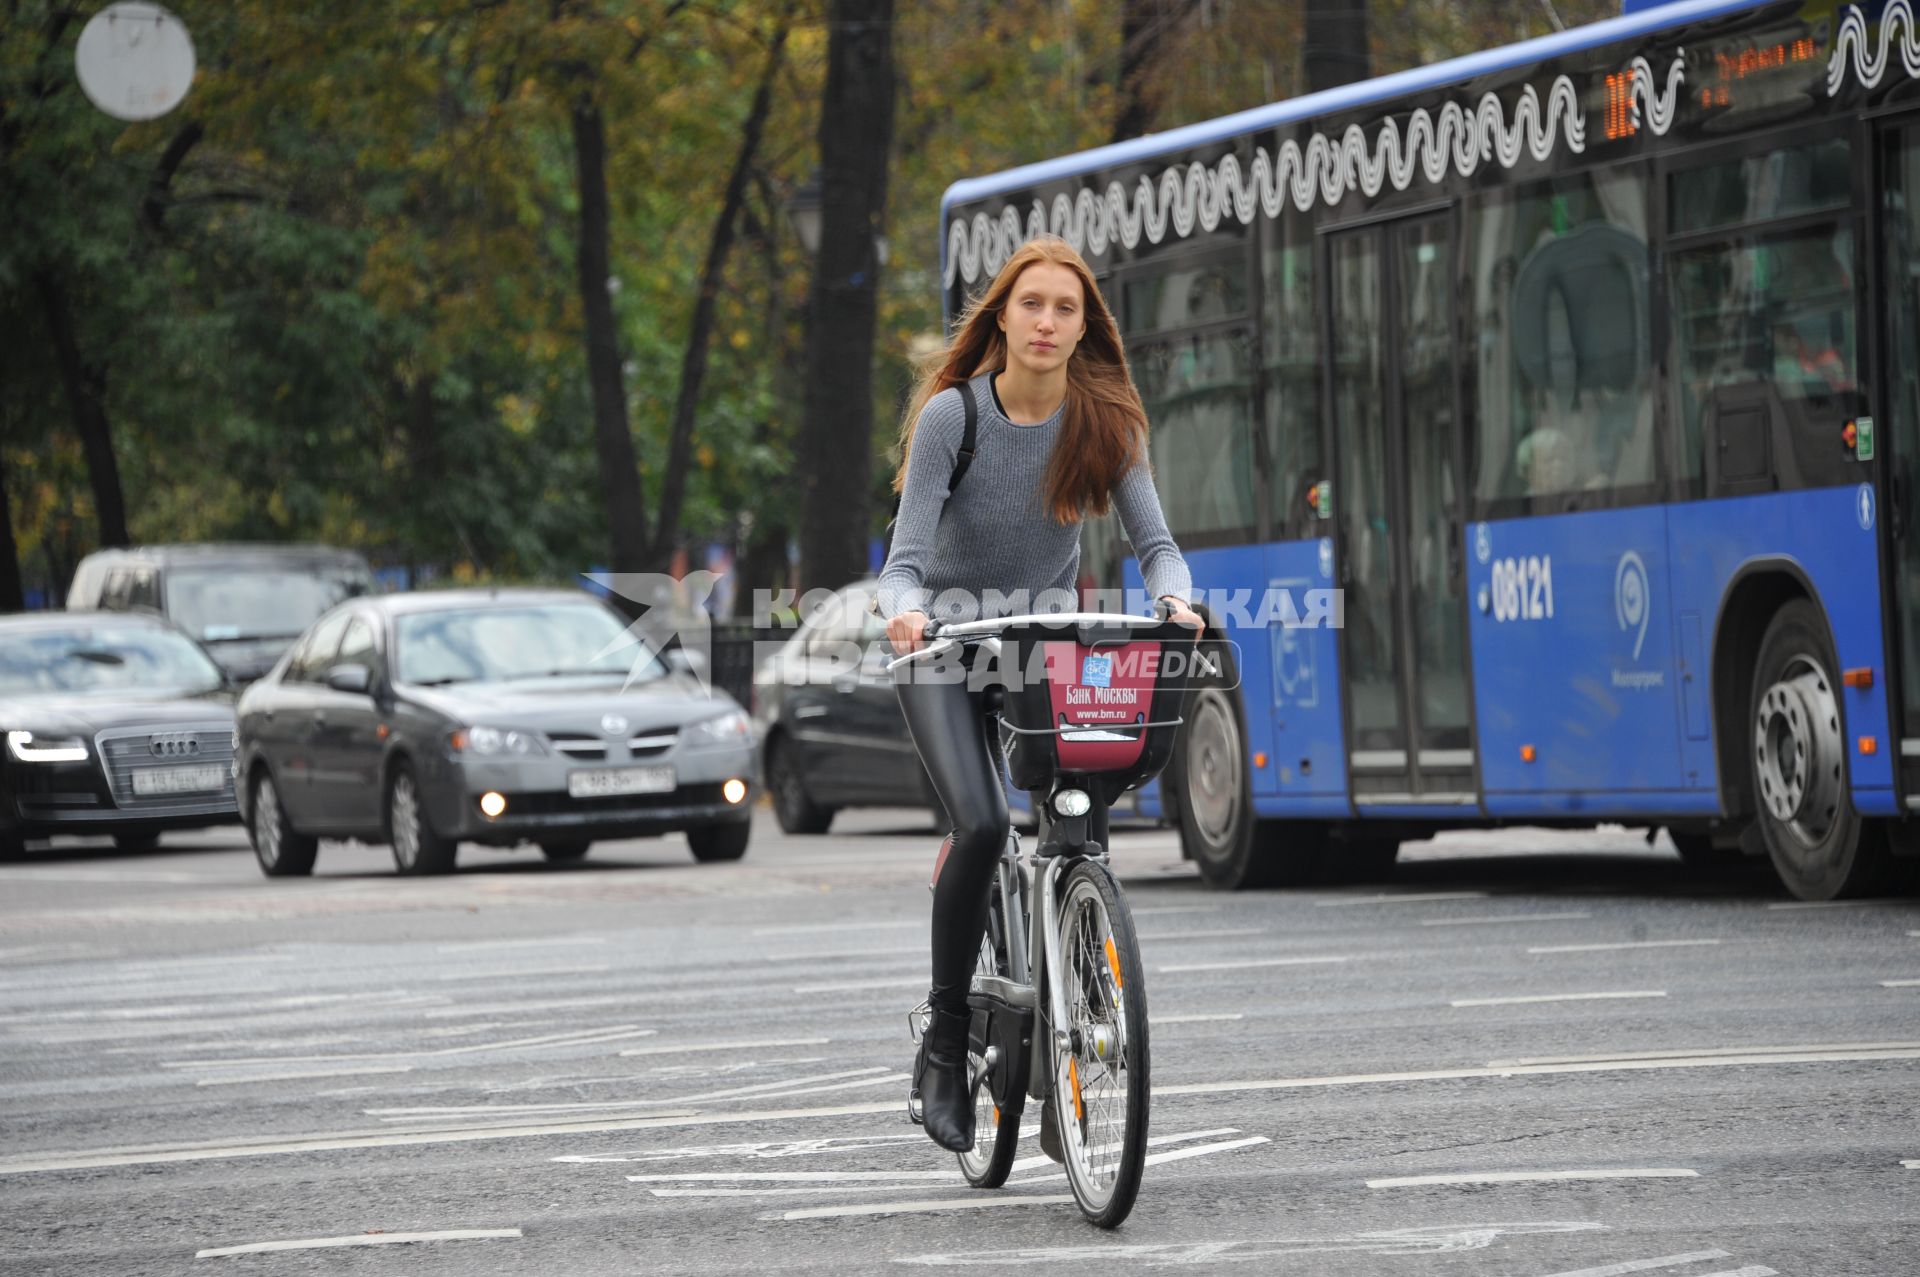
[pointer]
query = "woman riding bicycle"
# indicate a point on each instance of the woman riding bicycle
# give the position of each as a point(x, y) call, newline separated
point(1061, 433)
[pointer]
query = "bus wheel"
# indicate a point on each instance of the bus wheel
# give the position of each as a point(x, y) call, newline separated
point(1233, 848)
point(1819, 845)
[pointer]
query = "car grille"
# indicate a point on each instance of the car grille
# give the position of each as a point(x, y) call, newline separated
point(125, 751)
point(584, 748)
point(556, 804)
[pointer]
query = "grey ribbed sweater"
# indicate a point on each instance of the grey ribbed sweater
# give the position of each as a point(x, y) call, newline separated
point(993, 532)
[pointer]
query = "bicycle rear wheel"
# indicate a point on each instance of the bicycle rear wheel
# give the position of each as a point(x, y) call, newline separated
point(1101, 1087)
point(996, 1128)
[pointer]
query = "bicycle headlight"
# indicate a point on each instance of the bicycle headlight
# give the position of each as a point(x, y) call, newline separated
point(1072, 802)
point(47, 749)
point(730, 728)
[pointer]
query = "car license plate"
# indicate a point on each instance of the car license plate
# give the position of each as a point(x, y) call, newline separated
point(151, 781)
point(608, 782)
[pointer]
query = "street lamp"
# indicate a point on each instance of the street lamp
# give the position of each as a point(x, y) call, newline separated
point(803, 210)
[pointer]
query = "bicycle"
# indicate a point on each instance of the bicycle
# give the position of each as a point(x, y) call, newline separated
point(1071, 967)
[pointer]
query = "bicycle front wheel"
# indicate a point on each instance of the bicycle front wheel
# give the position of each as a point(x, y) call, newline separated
point(1100, 1082)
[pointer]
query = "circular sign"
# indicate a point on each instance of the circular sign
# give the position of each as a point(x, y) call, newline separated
point(134, 60)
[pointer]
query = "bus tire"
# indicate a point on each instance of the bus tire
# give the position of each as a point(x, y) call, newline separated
point(1796, 748)
point(1232, 847)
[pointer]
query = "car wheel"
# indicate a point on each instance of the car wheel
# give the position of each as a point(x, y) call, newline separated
point(712, 843)
point(792, 807)
point(560, 852)
point(282, 851)
point(1819, 845)
point(417, 850)
point(136, 842)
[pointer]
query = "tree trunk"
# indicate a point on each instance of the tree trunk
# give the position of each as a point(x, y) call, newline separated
point(1145, 26)
point(86, 388)
point(856, 130)
point(1336, 48)
point(613, 437)
point(13, 595)
point(693, 366)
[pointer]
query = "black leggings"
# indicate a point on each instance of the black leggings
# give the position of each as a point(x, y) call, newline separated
point(955, 727)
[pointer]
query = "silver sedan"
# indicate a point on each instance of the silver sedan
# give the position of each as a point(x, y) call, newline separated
point(497, 717)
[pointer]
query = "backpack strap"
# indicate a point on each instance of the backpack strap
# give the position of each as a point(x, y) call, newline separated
point(968, 439)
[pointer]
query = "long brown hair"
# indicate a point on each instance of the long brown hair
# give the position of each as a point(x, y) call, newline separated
point(1104, 430)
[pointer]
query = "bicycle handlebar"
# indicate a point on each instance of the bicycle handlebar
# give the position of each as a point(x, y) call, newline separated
point(944, 637)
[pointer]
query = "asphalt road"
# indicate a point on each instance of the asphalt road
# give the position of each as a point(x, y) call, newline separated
point(1527, 1054)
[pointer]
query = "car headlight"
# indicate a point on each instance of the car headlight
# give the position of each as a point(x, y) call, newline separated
point(46, 749)
point(490, 741)
point(730, 728)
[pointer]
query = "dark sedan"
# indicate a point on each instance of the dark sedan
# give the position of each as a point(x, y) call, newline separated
point(115, 725)
point(830, 728)
point(490, 716)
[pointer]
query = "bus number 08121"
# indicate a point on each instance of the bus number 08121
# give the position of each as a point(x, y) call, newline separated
point(1523, 588)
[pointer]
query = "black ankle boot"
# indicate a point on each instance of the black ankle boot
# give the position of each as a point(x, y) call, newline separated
point(941, 1077)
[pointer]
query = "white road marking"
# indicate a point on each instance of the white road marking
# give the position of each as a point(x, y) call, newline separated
point(892, 1079)
point(1158, 1159)
point(1153, 1141)
point(737, 1091)
point(1912, 1164)
point(176, 1010)
point(575, 1037)
point(854, 986)
point(1634, 944)
point(795, 1177)
point(1161, 911)
point(918, 1208)
point(689, 1048)
point(1169, 937)
point(1411, 898)
point(843, 954)
point(1900, 984)
point(1827, 904)
point(1699, 1052)
point(774, 1150)
point(301, 1075)
point(1193, 1019)
point(1751, 1270)
point(834, 927)
point(1249, 963)
point(1489, 920)
point(1527, 1177)
point(535, 1004)
point(591, 968)
point(1646, 1265)
point(1538, 1070)
point(105, 875)
point(1431, 1240)
point(1556, 997)
point(476, 946)
point(363, 1239)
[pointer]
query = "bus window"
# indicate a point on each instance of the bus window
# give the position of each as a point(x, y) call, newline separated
point(1291, 331)
point(1198, 392)
point(1561, 313)
point(1757, 188)
point(1764, 360)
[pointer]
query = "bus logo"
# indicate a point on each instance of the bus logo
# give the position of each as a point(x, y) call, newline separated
point(1482, 542)
point(1632, 604)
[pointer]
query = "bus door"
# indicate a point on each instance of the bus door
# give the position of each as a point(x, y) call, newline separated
point(1899, 217)
point(1397, 507)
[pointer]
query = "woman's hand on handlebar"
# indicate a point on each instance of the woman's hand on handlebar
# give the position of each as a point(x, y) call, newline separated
point(905, 630)
point(1179, 613)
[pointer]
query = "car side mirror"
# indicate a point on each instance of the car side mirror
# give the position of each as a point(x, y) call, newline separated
point(356, 680)
point(681, 661)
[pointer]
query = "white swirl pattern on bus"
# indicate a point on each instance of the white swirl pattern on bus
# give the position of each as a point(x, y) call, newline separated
point(1852, 48)
point(1456, 139)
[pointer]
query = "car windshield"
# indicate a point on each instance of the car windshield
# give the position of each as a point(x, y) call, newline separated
point(102, 657)
point(218, 605)
point(554, 640)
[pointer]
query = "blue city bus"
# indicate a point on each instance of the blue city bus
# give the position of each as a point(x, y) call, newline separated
point(1586, 368)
